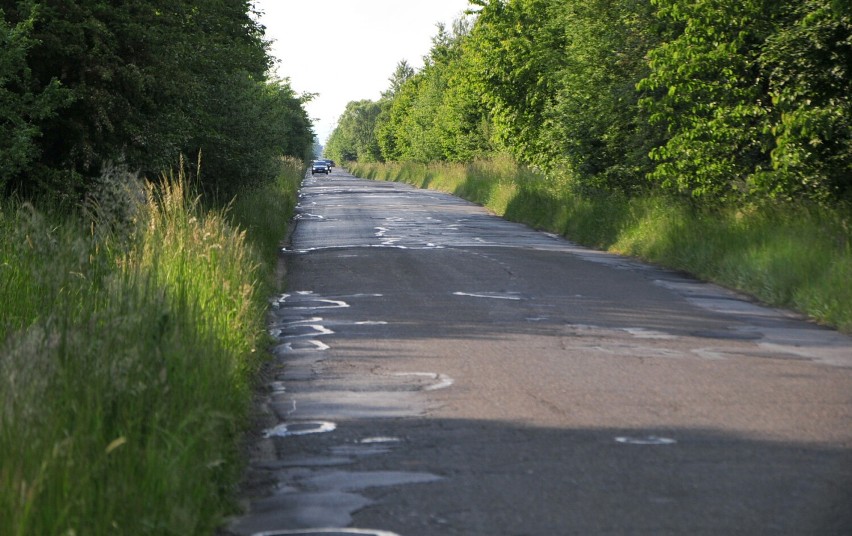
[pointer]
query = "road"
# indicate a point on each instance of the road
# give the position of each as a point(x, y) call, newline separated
point(440, 371)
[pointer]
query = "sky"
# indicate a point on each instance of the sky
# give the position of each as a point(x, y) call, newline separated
point(346, 50)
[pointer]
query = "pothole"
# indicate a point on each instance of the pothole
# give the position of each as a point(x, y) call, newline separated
point(379, 440)
point(490, 295)
point(645, 440)
point(354, 481)
point(307, 300)
point(308, 216)
point(727, 335)
point(642, 333)
point(307, 330)
point(300, 428)
point(300, 346)
point(325, 532)
point(441, 381)
point(319, 303)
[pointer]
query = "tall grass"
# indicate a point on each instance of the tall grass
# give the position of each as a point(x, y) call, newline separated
point(265, 211)
point(128, 349)
point(789, 255)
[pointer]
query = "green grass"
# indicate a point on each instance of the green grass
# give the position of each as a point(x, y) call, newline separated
point(791, 255)
point(265, 212)
point(128, 353)
point(788, 255)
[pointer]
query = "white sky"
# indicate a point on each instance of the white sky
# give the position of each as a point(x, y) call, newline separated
point(346, 50)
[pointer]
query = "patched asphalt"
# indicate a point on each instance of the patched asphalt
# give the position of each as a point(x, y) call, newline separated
point(440, 371)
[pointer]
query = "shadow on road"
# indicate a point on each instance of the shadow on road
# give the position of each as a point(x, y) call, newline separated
point(507, 478)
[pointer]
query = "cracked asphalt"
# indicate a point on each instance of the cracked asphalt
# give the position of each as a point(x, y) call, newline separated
point(440, 371)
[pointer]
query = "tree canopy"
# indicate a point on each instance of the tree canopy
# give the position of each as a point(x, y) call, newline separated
point(715, 100)
point(86, 83)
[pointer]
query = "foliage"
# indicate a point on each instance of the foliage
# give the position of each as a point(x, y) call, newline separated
point(141, 83)
point(429, 115)
point(517, 48)
point(534, 78)
point(22, 103)
point(253, 128)
point(400, 76)
point(595, 129)
point(462, 124)
point(443, 122)
point(709, 98)
point(354, 138)
point(809, 67)
point(754, 96)
point(716, 101)
point(392, 142)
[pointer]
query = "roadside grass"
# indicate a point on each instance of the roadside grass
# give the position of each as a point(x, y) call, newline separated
point(128, 352)
point(265, 213)
point(789, 255)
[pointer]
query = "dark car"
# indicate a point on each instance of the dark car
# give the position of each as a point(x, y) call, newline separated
point(320, 166)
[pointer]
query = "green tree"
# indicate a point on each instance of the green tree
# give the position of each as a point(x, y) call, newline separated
point(420, 125)
point(714, 100)
point(400, 76)
point(147, 81)
point(354, 137)
point(708, 95)
point(595, 127)
point(392, 140)
point(517, 47)
point(253, 126)
point(436, 114)
point(808, 62)
point(462, 124)
point(384, 130)
point(755, 99)
point(23, 104)
point(408, 129)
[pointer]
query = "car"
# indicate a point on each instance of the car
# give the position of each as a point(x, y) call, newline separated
point(319, 166)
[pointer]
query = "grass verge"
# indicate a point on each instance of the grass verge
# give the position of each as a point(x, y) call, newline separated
point(787, 255)
point(128, 352)
point(266, 211)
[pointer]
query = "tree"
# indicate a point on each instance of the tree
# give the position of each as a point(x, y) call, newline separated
point(145, 82)
point(755, 100)
point(714, 100)
point(400, 76)
point(709, 97)
point(354, 137)
point(808, 62)
point(23, 104)
point(392, 141)
point(436, 113)
point(517, 47)
point(596, 130)
point(463, 121)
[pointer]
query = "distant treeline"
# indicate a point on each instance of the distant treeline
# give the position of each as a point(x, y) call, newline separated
point(713, 100)
point(86, 84)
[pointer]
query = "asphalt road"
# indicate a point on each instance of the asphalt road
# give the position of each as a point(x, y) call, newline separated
point(440, 371)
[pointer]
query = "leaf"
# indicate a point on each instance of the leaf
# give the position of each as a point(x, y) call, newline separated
point(115, 443)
